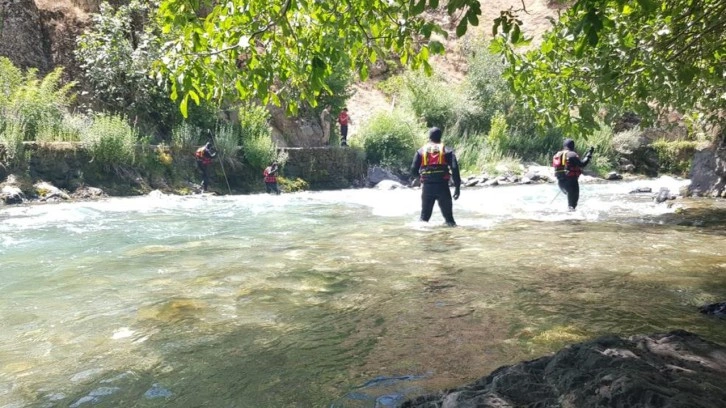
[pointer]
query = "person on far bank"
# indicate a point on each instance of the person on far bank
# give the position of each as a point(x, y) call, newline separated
point(436, 164)
point(568, 168)
point(343, 121)
point(270, 179)
point(325, 120)
point(204, 156)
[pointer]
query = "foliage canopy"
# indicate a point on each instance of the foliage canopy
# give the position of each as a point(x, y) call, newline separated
point(645, 56)
point(280, 51)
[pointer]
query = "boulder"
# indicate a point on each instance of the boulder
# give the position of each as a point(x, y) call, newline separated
point(389, 185)
point(376, 174)
point(663, 195)
point(613, 175)
point(708, 171)
point(88, 193)
point(48, 192)
point(677, 369)
point(641, 190)
point(10, 194)
point(491, 183)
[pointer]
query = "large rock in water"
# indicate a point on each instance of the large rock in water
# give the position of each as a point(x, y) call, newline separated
point(677, 369)
point(708, 171)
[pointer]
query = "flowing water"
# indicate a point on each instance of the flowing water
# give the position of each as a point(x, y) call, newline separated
point(334, 299)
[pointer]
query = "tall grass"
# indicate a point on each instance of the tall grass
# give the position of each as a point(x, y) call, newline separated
point(110, 141)
point(255, 136)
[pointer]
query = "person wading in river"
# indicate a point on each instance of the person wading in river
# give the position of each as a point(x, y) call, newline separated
point(204, 156)
point(568, 167)
point(436, 164)
point(270, 178)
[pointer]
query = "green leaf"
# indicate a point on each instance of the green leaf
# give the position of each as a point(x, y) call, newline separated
point(418, 7)
point(433, 4)
point(183, 106)
point(461, 28)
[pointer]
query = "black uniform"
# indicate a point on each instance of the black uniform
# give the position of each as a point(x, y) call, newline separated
point(567, 177)
point(435, 182)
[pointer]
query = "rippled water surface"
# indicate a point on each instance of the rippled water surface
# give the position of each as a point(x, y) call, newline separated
point(334, 299)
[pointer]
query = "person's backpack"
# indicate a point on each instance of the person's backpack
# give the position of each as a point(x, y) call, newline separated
point(559, 163)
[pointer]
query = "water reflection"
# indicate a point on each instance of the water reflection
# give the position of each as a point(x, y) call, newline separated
point(337, 298)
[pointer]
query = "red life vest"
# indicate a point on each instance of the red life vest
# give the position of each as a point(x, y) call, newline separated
point(433, 163)
point(343, 119)
point(562, 166)
point(269, 178)
point(202, 156)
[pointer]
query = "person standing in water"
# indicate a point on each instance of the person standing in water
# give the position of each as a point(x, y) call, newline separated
point(270, 178)
point(436, 164)
point(568, 168)
point(204, 156)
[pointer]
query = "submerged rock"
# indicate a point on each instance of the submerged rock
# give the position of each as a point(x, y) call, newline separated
point(664, 195)
point(677, 369)
point(641, 190)
point(389, 185)
point(715, 309)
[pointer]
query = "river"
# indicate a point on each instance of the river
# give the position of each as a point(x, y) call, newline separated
point(335, 299)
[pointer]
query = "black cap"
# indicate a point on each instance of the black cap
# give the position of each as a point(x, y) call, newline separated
point(569, 143)
point(435, 134)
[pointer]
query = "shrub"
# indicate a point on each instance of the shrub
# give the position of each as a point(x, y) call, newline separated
point(258, 147)
point(185, 136)
point(675, 156)
point(291, 186)
point(430, 99)
point(391, 138)
point(38, 105)
point(11, 136)
point(110, 141)
point(116, 55)
point(225, 142)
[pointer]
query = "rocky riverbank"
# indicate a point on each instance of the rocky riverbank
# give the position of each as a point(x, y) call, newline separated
point(676, 369)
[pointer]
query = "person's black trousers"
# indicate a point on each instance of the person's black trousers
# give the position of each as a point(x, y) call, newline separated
point(571, 187)
point(431, 192)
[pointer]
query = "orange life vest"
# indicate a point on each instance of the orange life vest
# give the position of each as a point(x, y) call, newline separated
point(562, 166)
point(269, 178)
point(433, 163)
point(202, 156)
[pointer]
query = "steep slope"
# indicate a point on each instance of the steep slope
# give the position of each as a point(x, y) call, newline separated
point(368, 100)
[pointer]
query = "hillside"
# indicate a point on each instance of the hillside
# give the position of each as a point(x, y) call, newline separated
point(367, 99)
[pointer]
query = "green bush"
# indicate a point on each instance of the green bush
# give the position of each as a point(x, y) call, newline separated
point(258, 148)
point(675, 157)
point(116, 55)
point(111, 141)
point(37, 105)
point(11, 136)
point(430, 99)
point(390, 139)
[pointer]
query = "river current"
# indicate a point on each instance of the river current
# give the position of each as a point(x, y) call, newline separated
point(335, 299)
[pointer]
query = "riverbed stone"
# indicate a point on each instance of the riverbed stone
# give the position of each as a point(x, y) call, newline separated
point(49, 192)
point(376, 174)
point(676, 369)
point(613, 175)
point(12, 195)
point(87, 193)
point(389, 185)
point(714, 309)
point(641, 190)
